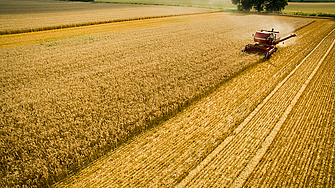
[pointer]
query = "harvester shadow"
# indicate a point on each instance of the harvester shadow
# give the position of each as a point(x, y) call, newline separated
point(268, 60)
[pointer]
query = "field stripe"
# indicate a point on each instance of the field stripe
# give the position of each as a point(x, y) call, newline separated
point(255, 160)
point(212, 155)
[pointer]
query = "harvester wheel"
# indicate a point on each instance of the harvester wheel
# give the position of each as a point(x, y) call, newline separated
point(266, 56)
point(242, 49)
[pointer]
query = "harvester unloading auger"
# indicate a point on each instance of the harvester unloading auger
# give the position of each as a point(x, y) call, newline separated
point(266, 42)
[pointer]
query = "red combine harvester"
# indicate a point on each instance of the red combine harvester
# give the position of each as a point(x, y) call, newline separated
point(266, 42)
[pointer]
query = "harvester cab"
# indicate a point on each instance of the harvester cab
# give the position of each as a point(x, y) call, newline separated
point(266, 42)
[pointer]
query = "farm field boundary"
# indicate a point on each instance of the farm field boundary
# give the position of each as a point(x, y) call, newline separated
point(164, 155)
point(310, 15)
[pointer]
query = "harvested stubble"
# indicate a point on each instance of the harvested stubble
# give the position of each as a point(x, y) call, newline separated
point(15, 18)
point(65, 103)
point(302, 154)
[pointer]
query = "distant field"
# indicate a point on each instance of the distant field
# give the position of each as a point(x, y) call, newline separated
point(226, 4)
point(310, 7)
point(20, 16)
point(43, 6)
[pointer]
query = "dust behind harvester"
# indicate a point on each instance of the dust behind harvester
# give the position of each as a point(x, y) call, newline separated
point(266, 42)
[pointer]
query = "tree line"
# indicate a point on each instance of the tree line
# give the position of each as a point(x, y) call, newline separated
point(260, 5)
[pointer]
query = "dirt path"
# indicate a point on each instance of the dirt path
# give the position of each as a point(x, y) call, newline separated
point(211, 142)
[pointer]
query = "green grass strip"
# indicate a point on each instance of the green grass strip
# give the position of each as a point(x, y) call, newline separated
point(319, 14)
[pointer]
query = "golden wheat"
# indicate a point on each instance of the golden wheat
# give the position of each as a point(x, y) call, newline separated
point(65, 103)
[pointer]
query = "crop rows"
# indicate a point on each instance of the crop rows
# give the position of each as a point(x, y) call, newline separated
point(165, 155)
point(66, 103)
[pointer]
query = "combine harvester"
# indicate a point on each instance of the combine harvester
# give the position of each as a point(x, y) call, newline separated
point(266, 42)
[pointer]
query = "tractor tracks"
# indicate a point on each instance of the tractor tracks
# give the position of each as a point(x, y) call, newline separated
point(232, 162)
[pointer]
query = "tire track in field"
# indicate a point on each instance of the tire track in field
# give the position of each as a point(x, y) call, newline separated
point(166, 154)
point(239, 154)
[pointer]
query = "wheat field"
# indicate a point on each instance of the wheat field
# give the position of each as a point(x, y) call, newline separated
point(64, 103)
point(213, 141)
point(311, 7)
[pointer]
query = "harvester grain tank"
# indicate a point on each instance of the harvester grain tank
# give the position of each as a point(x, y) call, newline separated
point(266, 42)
